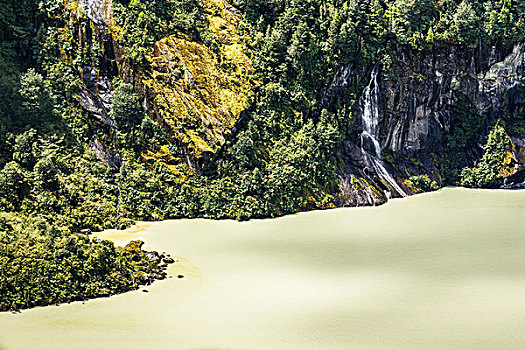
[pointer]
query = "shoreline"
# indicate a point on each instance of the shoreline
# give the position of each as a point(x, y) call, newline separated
point(123, 237)
point(434, 270)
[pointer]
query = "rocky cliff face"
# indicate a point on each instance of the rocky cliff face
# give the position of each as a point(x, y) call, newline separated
point(423, 96)
point(95, 95)
point(418, 114)
point(195, 93)
point(422, 92)
point(198, 94)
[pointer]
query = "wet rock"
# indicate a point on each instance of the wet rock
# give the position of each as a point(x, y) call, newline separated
point(168, 260)
point(417, 100)
point(421, 94)
point(97, 228)
point(153, 256)
point(105, 154)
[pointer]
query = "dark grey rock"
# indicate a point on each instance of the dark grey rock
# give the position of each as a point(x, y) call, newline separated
point(168, 260)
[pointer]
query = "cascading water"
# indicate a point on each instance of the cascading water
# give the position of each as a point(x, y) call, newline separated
point(98, 11)
point(369, 103)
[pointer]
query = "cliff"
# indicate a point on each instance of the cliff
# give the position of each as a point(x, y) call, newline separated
point(234, 109)
point(194, 91)
point(433, 111)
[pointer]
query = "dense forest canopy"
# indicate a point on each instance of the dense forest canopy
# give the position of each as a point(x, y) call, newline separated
point(279, 155)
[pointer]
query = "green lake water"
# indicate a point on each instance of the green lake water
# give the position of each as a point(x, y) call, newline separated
point(444, 270)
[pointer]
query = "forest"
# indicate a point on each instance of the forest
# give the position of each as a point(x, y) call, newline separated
point(258, 134)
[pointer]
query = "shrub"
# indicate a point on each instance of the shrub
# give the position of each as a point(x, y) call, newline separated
point(495, 164)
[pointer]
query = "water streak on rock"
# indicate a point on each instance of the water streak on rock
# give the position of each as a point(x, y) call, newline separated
point(370, 146)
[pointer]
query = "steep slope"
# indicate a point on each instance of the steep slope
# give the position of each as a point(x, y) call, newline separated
point(434, 113)
point(199, 94)
point(219, 109)
point(196, 91)
point(417, 113)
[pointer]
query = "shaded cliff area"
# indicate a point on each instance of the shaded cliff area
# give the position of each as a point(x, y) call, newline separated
point(435, 109)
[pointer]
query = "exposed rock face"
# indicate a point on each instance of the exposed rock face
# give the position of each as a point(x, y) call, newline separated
point(418, 98)
point(99, 12)
point(356, 187)
point(195, 93)
point(198, 94)
point(96, 94)
point(106, 155)
point(420, 94)
point(507, 76)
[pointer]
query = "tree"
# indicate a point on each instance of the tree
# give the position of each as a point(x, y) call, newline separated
point(24, 149)
point(16, 23)
point(495, 164)
point(466, 24)
point(6, 144)
point(37, 103)
point(127, 114)
point(14, 186)
point(46, 173)
point(411, 20)
point(126, 110)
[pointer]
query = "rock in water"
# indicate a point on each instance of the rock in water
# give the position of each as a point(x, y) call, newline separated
point(168, 260)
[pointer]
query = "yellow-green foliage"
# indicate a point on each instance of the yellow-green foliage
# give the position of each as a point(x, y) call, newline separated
point(164, 157)
point(200, 93)
point(507, 169)
point(420, 184)
point(496, 163)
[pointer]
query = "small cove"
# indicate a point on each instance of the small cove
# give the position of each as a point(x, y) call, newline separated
point(443, 270)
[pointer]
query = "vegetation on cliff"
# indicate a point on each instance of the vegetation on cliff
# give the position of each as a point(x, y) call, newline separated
point(496, 163)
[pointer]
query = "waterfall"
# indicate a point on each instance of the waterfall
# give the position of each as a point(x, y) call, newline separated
point(99, 12)
point(369, 104)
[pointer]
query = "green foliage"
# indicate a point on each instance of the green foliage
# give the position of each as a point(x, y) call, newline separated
point(145, 22)
point(24, 149)
point(126, 110)
point(421, 183)
point(136, 130)
point(127, 114)
point(495, 163)
point(282, 157)
point(16, 24)
point(411, 20)
point(14, 186)
point(505, 22)
point(40, 265)
point(46, 173)
point(37, 104)
point(144, 193)
point(465, 24)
